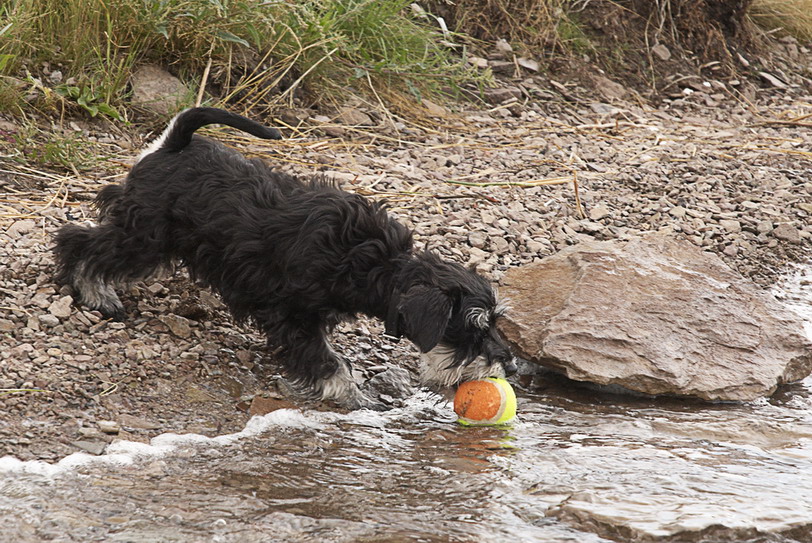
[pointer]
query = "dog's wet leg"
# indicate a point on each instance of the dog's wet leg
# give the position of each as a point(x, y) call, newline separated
point(311, 362)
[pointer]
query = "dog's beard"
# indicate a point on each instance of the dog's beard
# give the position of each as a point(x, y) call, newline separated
point(437, 368)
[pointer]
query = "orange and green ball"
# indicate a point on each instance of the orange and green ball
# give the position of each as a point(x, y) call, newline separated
point(485, 402)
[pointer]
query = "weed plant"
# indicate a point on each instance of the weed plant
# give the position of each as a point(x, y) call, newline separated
point(258, 51)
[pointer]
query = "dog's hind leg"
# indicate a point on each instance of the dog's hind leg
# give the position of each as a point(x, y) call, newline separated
point(95, 259)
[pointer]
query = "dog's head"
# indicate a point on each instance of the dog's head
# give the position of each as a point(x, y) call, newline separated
point(450, 313)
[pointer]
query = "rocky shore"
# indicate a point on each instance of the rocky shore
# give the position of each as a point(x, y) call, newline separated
point(490, 188)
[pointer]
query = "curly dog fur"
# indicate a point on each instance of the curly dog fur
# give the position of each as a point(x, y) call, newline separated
point(294, 258)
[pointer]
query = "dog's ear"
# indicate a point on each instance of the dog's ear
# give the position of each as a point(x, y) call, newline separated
point(424, 313)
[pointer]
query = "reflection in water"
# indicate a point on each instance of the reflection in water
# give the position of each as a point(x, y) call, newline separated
point(576, 466)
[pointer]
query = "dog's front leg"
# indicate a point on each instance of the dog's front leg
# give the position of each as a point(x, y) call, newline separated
point(311, 363)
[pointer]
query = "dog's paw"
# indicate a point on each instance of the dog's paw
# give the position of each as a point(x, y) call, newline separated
point(342, 394)
point(112, 310)
point(353, 399)
point(114, 313)
point(99, 297)
point(296, 390)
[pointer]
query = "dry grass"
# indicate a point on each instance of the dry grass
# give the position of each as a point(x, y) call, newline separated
point(789, 17)
point(44, 190)
point(538, 25)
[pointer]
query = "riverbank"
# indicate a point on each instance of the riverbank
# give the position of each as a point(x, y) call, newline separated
point(489, 188)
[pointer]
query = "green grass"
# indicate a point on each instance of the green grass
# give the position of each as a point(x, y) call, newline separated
point(572, 36)
point(64, 150)
point(253, 47)
point(262, 52)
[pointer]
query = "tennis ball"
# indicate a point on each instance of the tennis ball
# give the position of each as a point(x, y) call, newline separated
point(485, 402)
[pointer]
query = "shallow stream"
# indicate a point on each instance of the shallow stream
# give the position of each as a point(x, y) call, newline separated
point(576, 466)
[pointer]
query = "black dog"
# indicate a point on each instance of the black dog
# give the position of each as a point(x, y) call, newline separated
point(294, 258)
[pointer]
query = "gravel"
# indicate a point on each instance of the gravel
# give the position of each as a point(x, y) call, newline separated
point(732, 178)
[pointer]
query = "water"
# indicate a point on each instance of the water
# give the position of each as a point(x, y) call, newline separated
point(577, 466)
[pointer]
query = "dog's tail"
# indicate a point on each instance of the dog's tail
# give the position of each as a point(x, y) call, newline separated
point(179, 132)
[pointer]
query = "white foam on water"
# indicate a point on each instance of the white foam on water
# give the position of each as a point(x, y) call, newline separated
point(123, 452)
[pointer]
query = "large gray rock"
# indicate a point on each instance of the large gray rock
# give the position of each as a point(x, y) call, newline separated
point(158, 91)
point(654, 315)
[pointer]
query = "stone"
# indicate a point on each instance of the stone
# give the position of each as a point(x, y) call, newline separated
point(478, 62)
point(351, 116)
point(18, 228)
point(395, 382)
point(536, 247)
point(48, 320)
point(500, 245)
point(504, 67)
point(177, 325)
point(196, 394)
point(599, 211)
point(108, 426)
point(772, 80)
point(609, 89)
point(654, 315)
point(764, 227)
point(435, 110)
point(602, 109)
point(661, 51)
point(787, 232)
point(90, 433)
point(731, 225)
point(503, 47)
point(590, 227)
point(528, 64)
point(501, 94)
point(8, 126)
point(155, 288)
point(210, 300)
point(261, 405)
point(138, 423)
point(61, 308)
point(42, 298)
point(334, 131)
point(158, 91)
point(92, 447)
point(478, 239)
point(294, 116)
